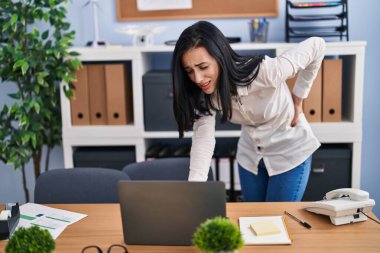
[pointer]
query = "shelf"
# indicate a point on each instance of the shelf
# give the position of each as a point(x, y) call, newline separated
point(142, 59)
point(107, 131)
point(337, 132)
point(174, 134)
point(310, 5)
point(332, 31)
point(303, 18)
point(325, 132)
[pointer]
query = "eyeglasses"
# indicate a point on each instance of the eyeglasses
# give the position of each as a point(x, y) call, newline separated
point(96, 249)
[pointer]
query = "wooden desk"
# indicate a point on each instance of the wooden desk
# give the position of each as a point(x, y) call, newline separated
point(103, 227)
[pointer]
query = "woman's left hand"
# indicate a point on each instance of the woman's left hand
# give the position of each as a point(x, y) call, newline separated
point(297, 109)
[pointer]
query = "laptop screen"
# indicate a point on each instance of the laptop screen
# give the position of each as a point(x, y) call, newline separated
point(168, 212)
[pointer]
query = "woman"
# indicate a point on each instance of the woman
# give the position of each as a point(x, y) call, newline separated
point(276, 142)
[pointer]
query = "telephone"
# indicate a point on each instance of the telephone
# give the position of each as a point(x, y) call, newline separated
point(345, 205)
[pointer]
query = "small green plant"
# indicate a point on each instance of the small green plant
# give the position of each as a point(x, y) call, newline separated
point(30, 240)
point(217, 235)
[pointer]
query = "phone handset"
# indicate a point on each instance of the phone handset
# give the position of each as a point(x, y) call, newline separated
point(353, 194)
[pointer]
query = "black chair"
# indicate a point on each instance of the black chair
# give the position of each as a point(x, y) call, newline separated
point(162, 169)
point(78, 185)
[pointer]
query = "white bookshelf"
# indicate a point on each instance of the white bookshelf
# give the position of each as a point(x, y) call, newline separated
point(348, 131)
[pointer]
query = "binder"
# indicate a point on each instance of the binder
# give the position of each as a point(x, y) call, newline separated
point(97, 91)
point(332, 90)
point(312, 105)
point(115, 94)
point(80, 111)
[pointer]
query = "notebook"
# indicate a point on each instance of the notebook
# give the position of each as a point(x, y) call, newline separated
point(264, 230)
point(168, 212)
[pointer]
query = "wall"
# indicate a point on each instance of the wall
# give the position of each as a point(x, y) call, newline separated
point(362, 27)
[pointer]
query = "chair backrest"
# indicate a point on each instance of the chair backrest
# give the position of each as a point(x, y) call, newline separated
point(78, 185)
point(162, 169)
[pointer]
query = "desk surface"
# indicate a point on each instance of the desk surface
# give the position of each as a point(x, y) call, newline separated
point(103, 228)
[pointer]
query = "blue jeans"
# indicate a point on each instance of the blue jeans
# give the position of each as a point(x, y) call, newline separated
point(287, 186)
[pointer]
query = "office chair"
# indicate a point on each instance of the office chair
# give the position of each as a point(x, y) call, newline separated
point(78, 185)
point(162, 169)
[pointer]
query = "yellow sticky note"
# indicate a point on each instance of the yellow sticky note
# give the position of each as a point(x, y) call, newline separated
point(267, 227)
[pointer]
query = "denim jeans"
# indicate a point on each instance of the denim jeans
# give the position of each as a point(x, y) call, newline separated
point(287, 186)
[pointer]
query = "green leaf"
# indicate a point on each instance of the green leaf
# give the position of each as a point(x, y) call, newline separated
point(36, 33)
point(45, 35)
point(68, 92)
point(5, 109)
point(23, 121)
point(34, 141)
point(24, 68)
point(46, 17)
point(36, 89)
point(14, 19)
point(57, 54)
point(14, 108)
point(25, 138)
point(37, 107)
point(75, 63)
point(73, 53)
point(66, 26)
point(40, 80)
point(18, 64)
point(15, 95)
point(6, 27)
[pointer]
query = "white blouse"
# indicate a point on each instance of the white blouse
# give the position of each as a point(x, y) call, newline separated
point(265, 110)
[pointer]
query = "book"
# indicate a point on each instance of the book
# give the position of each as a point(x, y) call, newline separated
point(264, 230)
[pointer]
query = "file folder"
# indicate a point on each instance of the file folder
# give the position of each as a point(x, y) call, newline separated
point(97, 91)
point(332, 90)
point(115, 94)
point(312, 105)
point(80, 110)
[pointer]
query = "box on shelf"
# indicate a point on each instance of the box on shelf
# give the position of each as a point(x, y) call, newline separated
point(158, 104)
point(330, 170)
point(104, 157)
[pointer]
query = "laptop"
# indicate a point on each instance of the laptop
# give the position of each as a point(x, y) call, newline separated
point(168, 212)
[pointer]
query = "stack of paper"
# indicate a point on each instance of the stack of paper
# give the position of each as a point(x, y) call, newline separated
point(53, 219)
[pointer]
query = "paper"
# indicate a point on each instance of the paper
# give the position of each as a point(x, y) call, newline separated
point(53, 219)
point(155, 5)
point(250, 237)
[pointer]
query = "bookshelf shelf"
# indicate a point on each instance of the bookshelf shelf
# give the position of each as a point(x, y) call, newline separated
point(348, 131)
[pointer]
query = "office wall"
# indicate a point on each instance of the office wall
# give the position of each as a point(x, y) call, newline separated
point(362, 27)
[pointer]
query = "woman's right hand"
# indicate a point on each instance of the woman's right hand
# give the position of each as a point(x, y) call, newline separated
point(297, 109)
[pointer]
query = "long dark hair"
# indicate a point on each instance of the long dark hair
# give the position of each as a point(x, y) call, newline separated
point(190, 102)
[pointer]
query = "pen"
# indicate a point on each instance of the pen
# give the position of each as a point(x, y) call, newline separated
point(303, 223)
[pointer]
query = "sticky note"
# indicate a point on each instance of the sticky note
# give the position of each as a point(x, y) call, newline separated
point(267, 227)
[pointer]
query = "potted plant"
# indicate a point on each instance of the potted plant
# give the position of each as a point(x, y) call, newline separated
point(30, 240)
point(217, 235)
point(34, 59)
